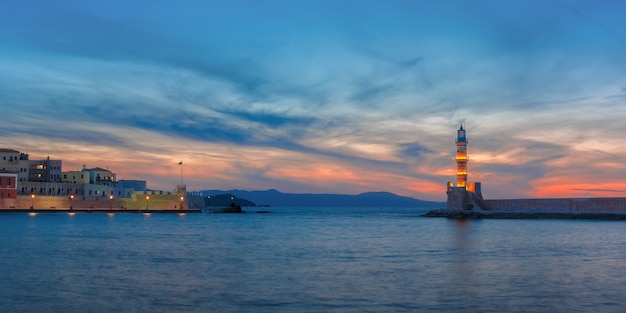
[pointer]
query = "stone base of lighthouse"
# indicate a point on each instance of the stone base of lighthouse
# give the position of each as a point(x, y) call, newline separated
point(464, 199)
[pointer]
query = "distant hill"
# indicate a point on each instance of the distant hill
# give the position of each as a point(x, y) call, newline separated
point(274, 197)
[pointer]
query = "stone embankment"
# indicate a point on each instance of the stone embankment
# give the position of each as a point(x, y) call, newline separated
point(567, 205)
point(139, 201)
point(478, 214)
point(464, 204)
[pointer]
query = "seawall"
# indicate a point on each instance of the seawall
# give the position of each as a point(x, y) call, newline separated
point(573, 205)
point(464, 204)
point(138, 201)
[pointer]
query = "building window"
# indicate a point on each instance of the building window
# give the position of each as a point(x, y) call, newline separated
point(9, 182)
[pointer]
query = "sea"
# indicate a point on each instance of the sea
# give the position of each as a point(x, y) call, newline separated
point(309, 260)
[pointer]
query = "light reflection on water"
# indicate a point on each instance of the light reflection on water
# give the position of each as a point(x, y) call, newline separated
point(317, 260)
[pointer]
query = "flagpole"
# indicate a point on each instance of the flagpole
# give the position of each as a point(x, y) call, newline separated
point(181, 172)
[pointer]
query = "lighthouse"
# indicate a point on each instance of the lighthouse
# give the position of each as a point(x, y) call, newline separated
point(463, 196)
point(461, 158)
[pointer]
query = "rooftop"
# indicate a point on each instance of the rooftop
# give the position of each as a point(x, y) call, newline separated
point(4, 150)
point(95, 169)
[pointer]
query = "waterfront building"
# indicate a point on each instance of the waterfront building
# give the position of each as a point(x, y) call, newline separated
point(75, 177)
point(8, 184)
point(49, 188)
point(16, 162)
point(45, 171)
point(124, 188)
point(44, 184)
point(99, 176)
point(99, 182)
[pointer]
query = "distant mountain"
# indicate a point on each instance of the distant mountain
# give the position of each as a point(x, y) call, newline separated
point(274, 197)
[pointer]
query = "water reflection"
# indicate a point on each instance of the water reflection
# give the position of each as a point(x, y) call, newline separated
point(464, 271)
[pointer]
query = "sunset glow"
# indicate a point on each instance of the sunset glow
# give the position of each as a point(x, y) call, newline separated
point(322, 96)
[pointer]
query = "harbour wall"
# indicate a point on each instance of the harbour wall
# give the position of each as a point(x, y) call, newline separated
point(137, 201)
point(566, 205)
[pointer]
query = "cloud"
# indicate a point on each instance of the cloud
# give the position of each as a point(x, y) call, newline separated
point(413, 150)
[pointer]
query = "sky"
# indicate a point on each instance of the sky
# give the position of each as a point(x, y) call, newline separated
point(322, 96)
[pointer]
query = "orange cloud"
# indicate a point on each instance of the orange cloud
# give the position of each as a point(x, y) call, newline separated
point(564, 187)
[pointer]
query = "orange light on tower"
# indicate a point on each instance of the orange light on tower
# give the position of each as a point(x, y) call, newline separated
point(461, 158)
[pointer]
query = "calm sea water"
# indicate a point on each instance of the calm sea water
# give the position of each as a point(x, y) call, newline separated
point(309, 260)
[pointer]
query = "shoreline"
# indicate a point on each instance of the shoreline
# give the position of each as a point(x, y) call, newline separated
point(479, 214)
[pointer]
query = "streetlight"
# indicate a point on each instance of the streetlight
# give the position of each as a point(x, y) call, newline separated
point(111, 198)
point(71, 202)
point(32, 203)
point(182, 203)
point(147, 201)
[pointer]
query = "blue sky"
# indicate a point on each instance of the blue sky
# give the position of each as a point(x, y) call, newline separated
point(322, 96)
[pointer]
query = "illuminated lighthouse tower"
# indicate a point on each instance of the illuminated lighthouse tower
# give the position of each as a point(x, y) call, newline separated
point(461, 158)
point(464, 196)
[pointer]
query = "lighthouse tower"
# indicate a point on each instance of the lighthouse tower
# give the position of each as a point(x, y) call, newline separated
point(461, 158)
point(464, 196)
